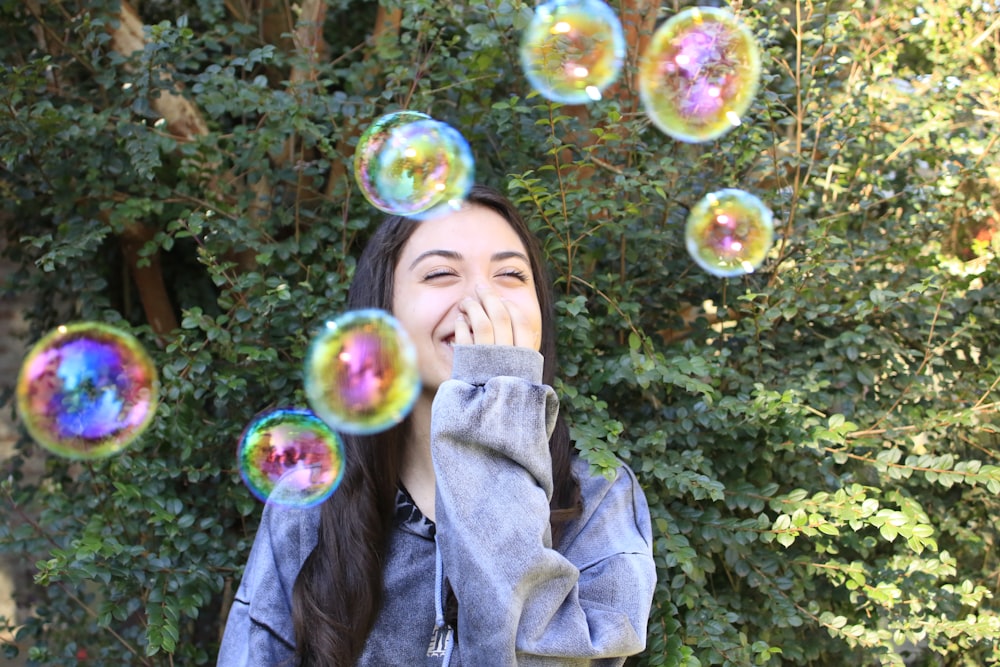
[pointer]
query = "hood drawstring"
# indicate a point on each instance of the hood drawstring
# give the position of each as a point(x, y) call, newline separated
point(439, 621)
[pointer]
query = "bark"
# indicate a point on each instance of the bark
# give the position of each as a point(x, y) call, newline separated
point(184, 119)
point(638, 19)
point(309, 45)
point(308, 40)
point(148, 278)
point(276, 22)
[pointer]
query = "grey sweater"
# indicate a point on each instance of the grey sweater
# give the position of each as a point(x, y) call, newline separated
point(521, 602)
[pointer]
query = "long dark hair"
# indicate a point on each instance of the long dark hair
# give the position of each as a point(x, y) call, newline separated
point(338, 593)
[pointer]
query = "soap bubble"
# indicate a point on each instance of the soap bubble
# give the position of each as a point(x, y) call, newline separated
point(407, 163)
point(699, 74)
point(729, 232)
point(87, 390)
point(361, 372)
point(290, 457)
point(572, 50)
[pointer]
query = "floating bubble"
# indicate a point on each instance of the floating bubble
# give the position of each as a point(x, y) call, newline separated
point(407, 163)
point(572, 50)
point(361, 372)
point(290, 457)
point(87, 390)
point(729, 232)
point(699, 74)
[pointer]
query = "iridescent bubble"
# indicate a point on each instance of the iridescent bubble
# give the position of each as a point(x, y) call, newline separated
point(407, 163)
point(87, 390)
point(361, 372)
point(699, 74)
point(729, 232)
point(572, 50)
point(290, 457)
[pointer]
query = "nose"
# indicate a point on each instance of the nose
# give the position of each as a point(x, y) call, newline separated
point(467, 291)
point(471, 287)
point(473, 282)
point(461, 292)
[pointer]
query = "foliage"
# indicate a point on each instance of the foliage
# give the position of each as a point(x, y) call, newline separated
point(817, 440)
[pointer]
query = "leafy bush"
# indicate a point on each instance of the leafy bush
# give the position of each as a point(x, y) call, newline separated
point(817, 439)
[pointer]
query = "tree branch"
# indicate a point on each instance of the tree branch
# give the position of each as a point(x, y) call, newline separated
point(148, 279)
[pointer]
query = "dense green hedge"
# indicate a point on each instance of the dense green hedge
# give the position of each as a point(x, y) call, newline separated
point(817, 439)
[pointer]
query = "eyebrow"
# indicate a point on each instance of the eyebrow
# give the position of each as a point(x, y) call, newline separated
point(456, 256)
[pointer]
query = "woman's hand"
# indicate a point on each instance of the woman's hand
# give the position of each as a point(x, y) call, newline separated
point(488, 319)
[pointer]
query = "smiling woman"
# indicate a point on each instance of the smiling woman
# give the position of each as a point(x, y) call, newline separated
point(469, 534)
point(465, 279)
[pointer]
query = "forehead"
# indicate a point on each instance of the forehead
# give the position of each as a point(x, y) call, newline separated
point(473, 231)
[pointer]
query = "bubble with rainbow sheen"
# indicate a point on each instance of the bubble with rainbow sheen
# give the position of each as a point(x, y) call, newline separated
point(361, 372)
point(572, 50)
point(407, 163)
point(290, 457)
point(729, 232)
point(87, 390)
point(699, 74)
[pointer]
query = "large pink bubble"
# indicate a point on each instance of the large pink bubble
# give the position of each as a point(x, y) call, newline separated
point(699, 74)
point(361, 372)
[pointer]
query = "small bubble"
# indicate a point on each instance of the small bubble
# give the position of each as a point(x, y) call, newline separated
point(699, 74)
point(406, 163)
point(729, 232)
point(290, 457)
point(572, 50)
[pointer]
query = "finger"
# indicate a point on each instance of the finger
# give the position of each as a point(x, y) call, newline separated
point(526, 333)
point(479, 321)
point(463, 333)
point(496, 310)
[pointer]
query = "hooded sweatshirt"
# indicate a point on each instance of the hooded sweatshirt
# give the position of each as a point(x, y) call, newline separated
point(521, 601)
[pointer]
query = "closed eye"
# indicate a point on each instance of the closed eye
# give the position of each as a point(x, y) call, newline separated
point(439, 273)
point(516, 274)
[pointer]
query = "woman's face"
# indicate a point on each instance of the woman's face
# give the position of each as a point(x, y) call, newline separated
point(464, 274)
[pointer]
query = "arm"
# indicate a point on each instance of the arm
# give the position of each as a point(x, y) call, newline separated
point(521, 601)
point(259, 629)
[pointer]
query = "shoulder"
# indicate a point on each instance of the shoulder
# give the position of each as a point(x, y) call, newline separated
point(615, 515)
point(285, 538)
point(294, 528)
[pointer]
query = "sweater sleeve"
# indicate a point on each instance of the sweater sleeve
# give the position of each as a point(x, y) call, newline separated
point(259, 629)
point(521, 602)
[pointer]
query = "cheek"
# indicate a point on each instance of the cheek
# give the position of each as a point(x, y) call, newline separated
point(420, 311)
point(403, 311)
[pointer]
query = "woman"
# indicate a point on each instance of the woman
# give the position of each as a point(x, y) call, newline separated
point(469, 534)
